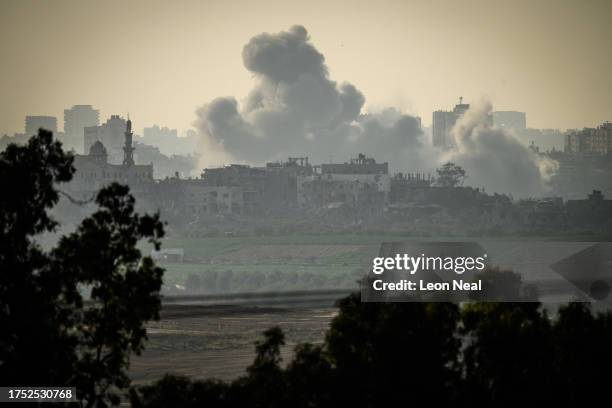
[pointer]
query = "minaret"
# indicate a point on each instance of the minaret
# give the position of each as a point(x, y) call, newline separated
point(128, 149)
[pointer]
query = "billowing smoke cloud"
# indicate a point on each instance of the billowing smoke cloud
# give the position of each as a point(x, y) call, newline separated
point(495, 158)
point(295, 109)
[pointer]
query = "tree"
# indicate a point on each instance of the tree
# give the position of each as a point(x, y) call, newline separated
point(500, 285)
point(382, 352)
point(450, 175)
point(375, 354)
point(50, 335)
point(181, 391)
point(507, 355)
point(28, 315)
point(264, 385)
point(397, 354)
point(582, 355)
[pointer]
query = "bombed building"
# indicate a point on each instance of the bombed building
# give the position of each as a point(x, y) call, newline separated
point(194, 198)
point(361, 183)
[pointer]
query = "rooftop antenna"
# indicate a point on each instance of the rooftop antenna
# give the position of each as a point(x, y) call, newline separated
point(460, 100)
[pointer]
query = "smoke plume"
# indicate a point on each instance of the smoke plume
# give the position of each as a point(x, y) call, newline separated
point(295, 109)
point(495, 158)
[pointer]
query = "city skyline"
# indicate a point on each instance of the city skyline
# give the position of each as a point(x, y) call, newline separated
point(162, 62)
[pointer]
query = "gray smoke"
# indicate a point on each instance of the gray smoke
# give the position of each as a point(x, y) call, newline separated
point(497, 159)
point(295, 109)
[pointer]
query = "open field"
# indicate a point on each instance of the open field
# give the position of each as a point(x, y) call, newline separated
point(285, 263)
point(217, 342)
point(221, 247)
point(246, 264)
point(205, 341)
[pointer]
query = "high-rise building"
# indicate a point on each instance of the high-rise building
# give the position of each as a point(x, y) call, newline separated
point(76, 119)
point(597, 141)
point(111, 134)
point(443, 122)
point(33, 123)
point(510, 120)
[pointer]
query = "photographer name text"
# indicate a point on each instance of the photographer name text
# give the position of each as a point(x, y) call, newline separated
point(424, 286)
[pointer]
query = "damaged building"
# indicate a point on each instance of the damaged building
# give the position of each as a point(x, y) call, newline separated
point(194, 197)
point(271, 189)
point(362, 183)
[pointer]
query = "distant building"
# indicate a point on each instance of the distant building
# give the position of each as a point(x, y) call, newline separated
point(546, 212)
point(194, 197)
point(281, 187)
point(510, 120)
point(110, 134)
point(578, 174)
point(360, 183)
point(597, 141)
point(595, 210)
point(234, 175)
point(76, 119)
point(161, 137)
point(164, 166)
point(93, 171)
point(269, 189)
point(406, 187)
point(546, 139)
point(168, 140)
point(443, 122)
point(17, 138)
point(33, 123)
point(359, 165)
point(154, 135)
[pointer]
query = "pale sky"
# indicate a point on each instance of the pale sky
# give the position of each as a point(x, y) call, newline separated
point(160, 60)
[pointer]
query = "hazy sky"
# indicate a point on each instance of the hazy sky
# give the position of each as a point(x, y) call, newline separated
point(160, 60)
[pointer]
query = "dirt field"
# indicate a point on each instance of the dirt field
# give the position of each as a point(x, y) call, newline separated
point(217, 342)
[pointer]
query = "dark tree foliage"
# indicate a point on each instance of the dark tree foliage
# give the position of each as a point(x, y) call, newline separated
point(50, 335)
point(382, 351)
point(374, 355)
point(507, 356)
point(582, 355)
point(503, 285)
point(33, 349)
point(450, 175)
point(181, 392)
point(264, 383)
point(420, 354)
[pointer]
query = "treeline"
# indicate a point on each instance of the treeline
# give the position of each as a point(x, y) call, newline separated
point(404, 354)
